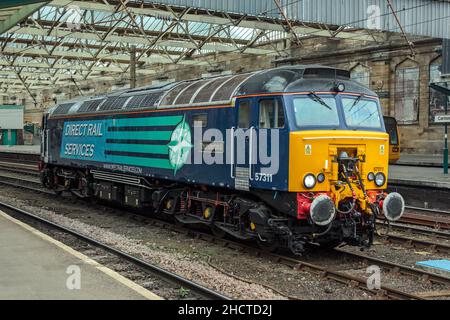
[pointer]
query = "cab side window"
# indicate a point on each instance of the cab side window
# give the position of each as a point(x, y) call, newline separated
point(244, 114)
point(271, 114)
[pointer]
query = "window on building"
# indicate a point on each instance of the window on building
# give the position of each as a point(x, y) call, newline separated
point(271, 114)
point(438, 100)
point(361, 74)
point(407, 93)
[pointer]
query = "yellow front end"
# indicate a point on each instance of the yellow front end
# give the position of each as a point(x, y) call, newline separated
point(315, 152)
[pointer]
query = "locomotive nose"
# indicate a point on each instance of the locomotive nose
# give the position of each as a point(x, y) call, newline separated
point(393, 206)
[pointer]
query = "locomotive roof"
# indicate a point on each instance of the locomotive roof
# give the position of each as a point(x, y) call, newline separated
point(218, 90)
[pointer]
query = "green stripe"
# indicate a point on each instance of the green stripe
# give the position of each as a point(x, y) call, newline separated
point(144, 148)
point(141, 135)
point(142, 162)
point(151, 121)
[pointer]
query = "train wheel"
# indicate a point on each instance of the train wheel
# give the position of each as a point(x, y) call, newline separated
point(217, 232)
point(178, 223)
point(271, 245)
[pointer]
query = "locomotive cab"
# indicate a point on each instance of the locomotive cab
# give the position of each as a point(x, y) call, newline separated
point(336, 159)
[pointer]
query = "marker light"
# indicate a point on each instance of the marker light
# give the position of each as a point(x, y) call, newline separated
point(320, 177)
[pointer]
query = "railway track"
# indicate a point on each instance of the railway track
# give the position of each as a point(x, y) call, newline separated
point(406, 228)
point(299, 264)
point(385, 292)
point(19, 163)
point(436, 222)
point(434, 247)
point(29, 158)
point(168, 276)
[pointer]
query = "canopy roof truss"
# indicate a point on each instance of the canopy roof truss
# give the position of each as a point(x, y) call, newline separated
point(71, 41)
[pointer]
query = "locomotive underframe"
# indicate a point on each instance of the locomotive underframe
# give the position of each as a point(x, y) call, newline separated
point(268, 218)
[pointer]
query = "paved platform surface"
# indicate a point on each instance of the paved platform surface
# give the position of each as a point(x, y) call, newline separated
point(34, 266)
point(426, 160)
point(35, 149)
point(418, 176)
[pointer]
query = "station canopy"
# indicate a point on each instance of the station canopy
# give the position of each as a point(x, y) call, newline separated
point(62, 42)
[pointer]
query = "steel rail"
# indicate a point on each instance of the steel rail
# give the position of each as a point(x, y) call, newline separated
point(398, 268)
point(409, 228)
point(416, 243)
point(427, 210)
point(151, 268)
point(7, 180)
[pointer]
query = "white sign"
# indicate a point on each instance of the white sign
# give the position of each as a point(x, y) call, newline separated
point(11, 117)
point(442, 118)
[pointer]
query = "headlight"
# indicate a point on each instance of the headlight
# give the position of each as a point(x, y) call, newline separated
point(371, 176)
point(380, 179)
point(309, 181)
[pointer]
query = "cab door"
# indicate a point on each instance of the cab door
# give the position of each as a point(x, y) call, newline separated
point(44, 138)
point(271, 130)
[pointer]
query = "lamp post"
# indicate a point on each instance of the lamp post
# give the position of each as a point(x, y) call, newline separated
point(443, 119)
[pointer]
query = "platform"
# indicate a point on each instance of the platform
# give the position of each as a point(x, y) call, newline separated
point(34, 266)
point(418, 177)
point(440, 266)
point(422, 160)
point(34, 149)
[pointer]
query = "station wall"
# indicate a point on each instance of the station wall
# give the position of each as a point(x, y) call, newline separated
point(389, 67)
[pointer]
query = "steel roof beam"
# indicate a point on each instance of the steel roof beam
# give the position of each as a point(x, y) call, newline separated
point(12, 17)
point(148, 9)
point(131, 40)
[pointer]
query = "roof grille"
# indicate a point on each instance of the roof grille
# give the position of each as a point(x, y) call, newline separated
point(226, 92)
point(148, 101)
point(90, 106)
point(171, 96)
point(63, 108)
point(186, 96)
point(205, 93)
point(114, 103)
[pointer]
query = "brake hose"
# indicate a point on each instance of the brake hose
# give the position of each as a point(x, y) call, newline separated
point(351, 189)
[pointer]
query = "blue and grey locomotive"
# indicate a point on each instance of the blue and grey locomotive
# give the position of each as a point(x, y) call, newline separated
point(287, 156)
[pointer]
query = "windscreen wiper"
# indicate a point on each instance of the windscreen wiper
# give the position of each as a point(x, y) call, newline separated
point(313, 96)
point(355, 102)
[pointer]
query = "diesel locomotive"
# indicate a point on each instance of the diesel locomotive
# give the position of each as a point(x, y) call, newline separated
point(289, 156)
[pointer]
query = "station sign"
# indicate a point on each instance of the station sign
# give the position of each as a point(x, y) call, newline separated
point(442, 118)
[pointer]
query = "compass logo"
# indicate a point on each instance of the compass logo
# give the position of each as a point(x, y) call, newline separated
point(180, 145)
